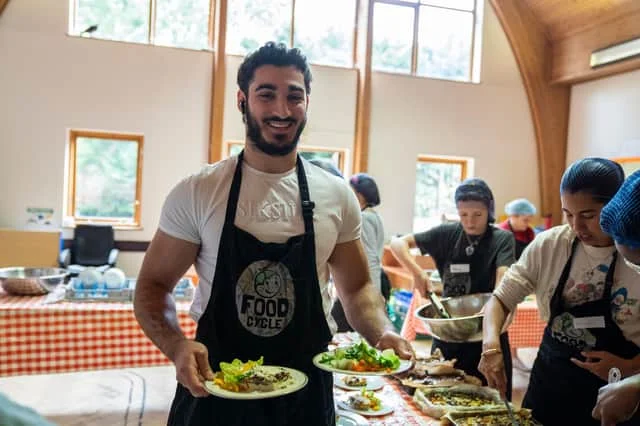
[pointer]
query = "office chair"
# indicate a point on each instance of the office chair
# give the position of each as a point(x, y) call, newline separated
point(93, 246)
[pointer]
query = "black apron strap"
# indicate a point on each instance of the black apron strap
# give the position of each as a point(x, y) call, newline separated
point(557, 304)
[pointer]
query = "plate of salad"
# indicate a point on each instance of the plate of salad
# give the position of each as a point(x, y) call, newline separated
point(253, 380)
point(361, 359)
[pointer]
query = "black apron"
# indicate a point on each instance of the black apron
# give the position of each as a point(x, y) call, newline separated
point(459, 284)
point(265, 301)
point(561, 393)
point(520, 245)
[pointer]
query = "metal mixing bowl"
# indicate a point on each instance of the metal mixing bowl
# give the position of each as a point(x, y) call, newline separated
point(466, 322)
point(31, 281)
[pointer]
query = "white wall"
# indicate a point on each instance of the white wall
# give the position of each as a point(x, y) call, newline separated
point(490, 122)
point(50, 82)
point(604, 119)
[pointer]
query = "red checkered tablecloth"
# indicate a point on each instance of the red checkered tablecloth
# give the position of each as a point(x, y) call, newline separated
point(38, 338)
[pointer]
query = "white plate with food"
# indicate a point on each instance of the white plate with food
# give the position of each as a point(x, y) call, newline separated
point(349, 418)
point(360, 359)
point(252, 380)
point(352, 383)
point(365, 403)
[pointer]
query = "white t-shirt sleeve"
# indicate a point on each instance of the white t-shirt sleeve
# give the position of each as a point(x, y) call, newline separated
point(178, 216)
point(351, 219)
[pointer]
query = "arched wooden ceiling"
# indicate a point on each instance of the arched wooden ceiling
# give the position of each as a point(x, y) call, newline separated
point(552, 41)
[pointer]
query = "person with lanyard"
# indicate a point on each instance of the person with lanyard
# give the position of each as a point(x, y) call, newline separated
point(520, 212)
point(587, 295)
point(263, 229)
point(471, 257)
point(620, 218)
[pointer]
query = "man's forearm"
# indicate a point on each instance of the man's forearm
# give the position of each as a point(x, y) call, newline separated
point(155, 310)
point(400, 250)
point(366, 313)
point(494, 319)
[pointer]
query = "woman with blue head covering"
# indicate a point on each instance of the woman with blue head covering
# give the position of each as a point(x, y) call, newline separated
point(471, 257)
point(519, 212)
point(588, 296)
point(620, 218)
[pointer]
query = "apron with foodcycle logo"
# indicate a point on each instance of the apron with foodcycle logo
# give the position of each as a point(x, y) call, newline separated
point(265, 301)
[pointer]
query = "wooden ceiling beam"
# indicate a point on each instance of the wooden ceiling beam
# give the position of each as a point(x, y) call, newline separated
point(572, 55)
point(3, 4)
point(549, 104)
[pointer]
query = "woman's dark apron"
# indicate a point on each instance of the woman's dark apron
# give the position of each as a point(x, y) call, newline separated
point(265, 301)
point(459, 284)
point(560, 392)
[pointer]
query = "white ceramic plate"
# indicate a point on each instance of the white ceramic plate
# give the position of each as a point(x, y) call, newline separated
point(383, 411)
point(349, 418)
point(298, 381)
point(405, 365)
point(373, 383)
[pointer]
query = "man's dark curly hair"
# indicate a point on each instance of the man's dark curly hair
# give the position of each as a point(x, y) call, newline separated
point(277, 54)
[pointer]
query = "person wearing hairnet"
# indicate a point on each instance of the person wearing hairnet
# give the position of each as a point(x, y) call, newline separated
point(620, 218)
point(520, 212)
point(471, 257)
point(588, 296)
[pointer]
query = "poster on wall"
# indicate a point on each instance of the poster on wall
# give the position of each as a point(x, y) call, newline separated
point(39, 217)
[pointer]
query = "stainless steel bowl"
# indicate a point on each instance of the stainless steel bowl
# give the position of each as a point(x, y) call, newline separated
point(31, 281)
point(466, 322)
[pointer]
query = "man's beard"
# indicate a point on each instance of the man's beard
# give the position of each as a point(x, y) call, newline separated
point(257, 140)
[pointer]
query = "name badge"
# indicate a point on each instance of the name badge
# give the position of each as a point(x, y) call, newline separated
point(460, 268)
point(588, 322)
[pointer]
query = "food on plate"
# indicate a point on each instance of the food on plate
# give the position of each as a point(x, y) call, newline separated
point(439, 401)
point(361, 357)
point(364, 401)
point(523, 416)
point(460, 399)
point(436, 371)
point(251, 376)
point(354, 381)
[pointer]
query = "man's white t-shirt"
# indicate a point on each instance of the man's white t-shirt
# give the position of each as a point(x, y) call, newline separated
point(268, 208)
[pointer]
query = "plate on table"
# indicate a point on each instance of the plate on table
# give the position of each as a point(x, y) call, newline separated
point(349, 418)
point(296, 381)
point(344, 404)
point(405, 365)
point(352, 382)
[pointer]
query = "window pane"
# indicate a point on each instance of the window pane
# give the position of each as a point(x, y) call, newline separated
point(435, 188)
point(251, 23)
point(324, 30)
point(454, 4)
point(182, 23)
point(392, 38)
point(444, 43)
point(106, 177)
point(124, 20)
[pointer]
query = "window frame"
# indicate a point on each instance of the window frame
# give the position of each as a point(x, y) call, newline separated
point(73, 31)
point(465, 163)
point(415, 48)
point(70, 213)
point(342, 152)
point(290, 44)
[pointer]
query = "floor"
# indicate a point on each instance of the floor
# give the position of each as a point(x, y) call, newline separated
point(139, 396)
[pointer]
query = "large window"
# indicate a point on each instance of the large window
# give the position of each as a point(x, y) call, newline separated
point(335, 156)
point(176, 23)
point(104, 178)
point(430, 38)
point(436, 181)
point(323, 29)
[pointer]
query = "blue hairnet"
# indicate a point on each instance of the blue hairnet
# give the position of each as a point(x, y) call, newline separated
point(475, 189)
point(620, 218)
point(520, 207)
